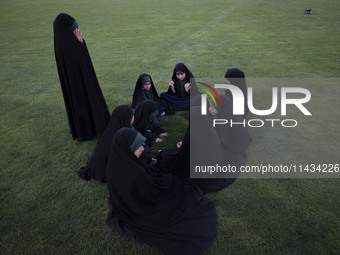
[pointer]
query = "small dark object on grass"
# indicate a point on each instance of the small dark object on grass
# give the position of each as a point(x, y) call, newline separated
point(308, 11)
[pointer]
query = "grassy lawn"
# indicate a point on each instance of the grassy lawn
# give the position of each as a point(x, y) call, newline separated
point(47, 209)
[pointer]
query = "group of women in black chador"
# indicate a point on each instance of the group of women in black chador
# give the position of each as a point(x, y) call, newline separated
point(153, 200)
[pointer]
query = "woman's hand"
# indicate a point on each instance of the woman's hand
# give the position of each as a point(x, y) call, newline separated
point(187, 87)
point(78, 34)
point(171, 84)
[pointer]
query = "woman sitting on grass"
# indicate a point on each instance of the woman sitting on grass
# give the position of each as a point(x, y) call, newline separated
point(146, 122)
point(180, 88)
point(122, 116)
point(154, 206)
point(235, 139)
point(145, 90)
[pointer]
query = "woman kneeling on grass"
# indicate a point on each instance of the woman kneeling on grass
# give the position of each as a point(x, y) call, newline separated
point(153, 205)
point(180, 88)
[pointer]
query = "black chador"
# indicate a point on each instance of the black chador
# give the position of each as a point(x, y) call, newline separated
point(96, 165)
point(235, 139)
point(152, 204)
point(205, 149)
point(140, 94)
point(146, 121)
point(86, 108)
point(144, 92)
point(177, 97)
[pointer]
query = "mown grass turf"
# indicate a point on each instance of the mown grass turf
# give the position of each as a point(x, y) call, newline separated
point(47, 209)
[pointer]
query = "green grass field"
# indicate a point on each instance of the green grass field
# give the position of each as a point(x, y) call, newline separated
point(47, 209)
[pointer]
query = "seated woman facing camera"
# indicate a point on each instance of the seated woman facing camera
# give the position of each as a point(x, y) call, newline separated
point(181, 86)
point(153, 205)
point(146, 90)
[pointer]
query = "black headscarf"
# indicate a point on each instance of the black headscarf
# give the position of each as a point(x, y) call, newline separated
point(142, 115)
point(237, 78)
point(179, 85)
point(96, 165)
point(139, 90)
point(86, 108)
point(153, 205)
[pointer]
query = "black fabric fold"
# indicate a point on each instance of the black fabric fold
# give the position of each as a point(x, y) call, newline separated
point(153, 205)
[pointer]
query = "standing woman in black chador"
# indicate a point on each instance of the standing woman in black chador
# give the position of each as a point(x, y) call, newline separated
point(86, 108)
point(95, 168)
point(180, 88)
point(153, 205)
point(235, 76)
point(145, 90)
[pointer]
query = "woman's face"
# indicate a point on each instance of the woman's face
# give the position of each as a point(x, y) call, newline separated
point(180, 76)
point(212, 110)
point(147, 85)
point(139, 151)
point(132, 119)
point(227, 81)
